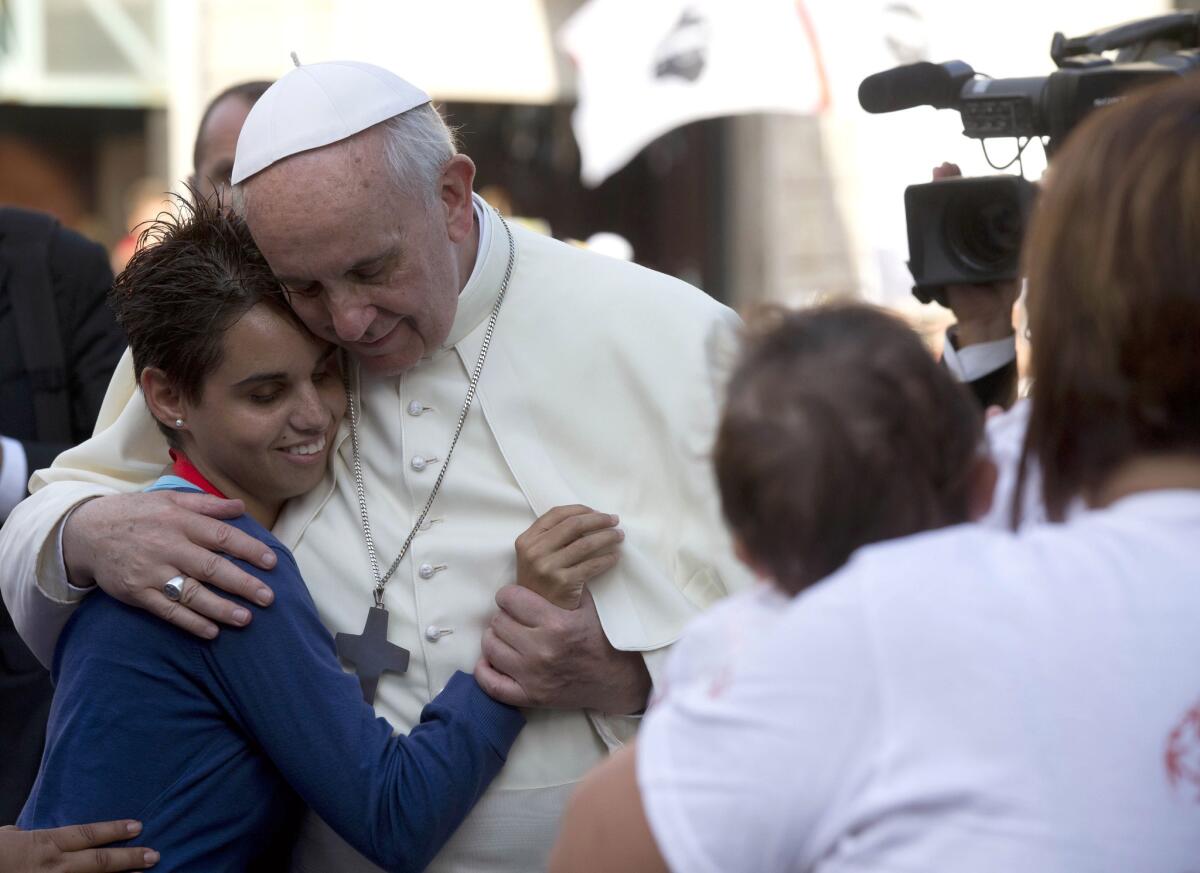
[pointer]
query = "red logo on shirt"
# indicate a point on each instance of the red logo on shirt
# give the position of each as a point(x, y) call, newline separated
point(1183, 753)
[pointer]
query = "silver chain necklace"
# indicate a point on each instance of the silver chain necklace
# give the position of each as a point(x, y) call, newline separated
point(359, 486)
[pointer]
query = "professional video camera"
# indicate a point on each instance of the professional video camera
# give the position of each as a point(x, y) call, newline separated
point(968, 231)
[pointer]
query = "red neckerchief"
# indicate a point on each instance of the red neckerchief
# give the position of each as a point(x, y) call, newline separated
point(185, 469)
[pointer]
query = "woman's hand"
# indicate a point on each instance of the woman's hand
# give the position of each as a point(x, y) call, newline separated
point(564, 549)
point(74, 849)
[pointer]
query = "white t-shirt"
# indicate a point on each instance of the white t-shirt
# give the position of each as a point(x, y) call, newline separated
point(1006, 439)
point(966, 700)
point(705, 655)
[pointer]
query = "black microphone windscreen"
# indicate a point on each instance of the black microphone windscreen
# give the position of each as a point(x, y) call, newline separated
point(919, 84)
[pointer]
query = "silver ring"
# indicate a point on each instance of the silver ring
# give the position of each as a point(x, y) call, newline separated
point(173, 587)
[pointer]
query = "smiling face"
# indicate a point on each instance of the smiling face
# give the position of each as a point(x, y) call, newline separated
point(374, 269)
point(264, 424)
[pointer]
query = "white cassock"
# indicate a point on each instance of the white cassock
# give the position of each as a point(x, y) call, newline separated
point(602, 387)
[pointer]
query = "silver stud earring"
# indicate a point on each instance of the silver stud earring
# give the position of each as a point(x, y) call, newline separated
point(179, 422)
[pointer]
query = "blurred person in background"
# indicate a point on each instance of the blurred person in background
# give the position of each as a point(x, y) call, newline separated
point(597, 384)
point(212, 162)
point(217, 136)
point(839, 430)
point(900, 447)
point(974, 698)
point(59, 344)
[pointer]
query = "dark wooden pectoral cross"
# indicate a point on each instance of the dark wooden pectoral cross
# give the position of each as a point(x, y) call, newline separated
point(370, 653)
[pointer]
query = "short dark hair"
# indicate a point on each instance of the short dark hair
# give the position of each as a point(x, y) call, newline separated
point(194, 274)
point(840, 429)
point(1113, 266)
point(247, 91)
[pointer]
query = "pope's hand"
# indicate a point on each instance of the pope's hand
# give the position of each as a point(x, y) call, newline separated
point(130, 544)
point(564, 549)
point(538, 655)
point(74, 849)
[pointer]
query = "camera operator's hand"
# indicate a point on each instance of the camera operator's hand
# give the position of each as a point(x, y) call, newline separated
point(983, 312)
point(946, 170)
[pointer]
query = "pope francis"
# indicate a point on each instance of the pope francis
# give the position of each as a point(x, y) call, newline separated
point(497, 374)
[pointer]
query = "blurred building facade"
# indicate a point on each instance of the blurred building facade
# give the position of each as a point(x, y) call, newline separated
point(100, 98)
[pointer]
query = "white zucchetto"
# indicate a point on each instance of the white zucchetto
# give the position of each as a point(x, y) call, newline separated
point(314, 105)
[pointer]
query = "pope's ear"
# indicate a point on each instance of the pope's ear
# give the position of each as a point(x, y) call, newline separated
point(456, 183)
point(165, 402)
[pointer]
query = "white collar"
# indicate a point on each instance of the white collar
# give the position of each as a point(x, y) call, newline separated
point(483, 216)
point(478, 296)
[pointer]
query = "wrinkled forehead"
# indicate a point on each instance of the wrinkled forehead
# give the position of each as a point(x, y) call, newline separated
point(357, 160)
point(346, 178)
point(310, 225)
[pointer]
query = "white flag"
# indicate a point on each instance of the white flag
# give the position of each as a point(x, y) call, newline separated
point(648, 66)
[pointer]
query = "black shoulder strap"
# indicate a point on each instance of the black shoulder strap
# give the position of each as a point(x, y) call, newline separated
point(25, 247)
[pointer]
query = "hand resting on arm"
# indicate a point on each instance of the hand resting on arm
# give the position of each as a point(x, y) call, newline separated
point(130, 544)
point(73, 849)
point(548, 649)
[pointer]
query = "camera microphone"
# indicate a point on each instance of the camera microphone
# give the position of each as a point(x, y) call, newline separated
point(919, 84)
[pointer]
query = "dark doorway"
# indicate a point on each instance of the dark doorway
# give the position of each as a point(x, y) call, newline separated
point(667, 202)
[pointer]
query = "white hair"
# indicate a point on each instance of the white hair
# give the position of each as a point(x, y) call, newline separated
point(417, 145)
point(237, 199)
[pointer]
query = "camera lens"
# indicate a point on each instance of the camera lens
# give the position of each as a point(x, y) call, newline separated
point(983, 229)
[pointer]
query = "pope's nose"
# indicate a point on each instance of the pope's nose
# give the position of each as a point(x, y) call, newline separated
point(350, 320)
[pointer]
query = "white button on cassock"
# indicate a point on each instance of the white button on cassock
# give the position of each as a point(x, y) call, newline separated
point(418, 463)
point(416, 408)
point(426, 571)
point(433, 633)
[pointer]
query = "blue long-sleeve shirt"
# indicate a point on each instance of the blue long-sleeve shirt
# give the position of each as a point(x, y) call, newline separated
point(212, 744)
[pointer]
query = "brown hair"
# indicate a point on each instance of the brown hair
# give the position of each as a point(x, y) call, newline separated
point(1113, 265)
point(840, 429)
point(194, 274)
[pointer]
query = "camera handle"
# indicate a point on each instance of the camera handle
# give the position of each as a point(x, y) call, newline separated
point(1182, 28)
